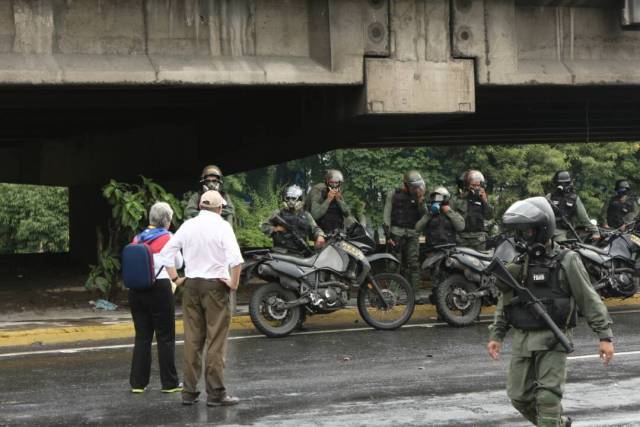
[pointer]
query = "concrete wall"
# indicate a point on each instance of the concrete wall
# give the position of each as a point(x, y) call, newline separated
point(515, 43)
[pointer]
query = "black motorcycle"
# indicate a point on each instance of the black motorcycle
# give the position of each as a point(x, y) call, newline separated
point(323, 281)
point(460, 284)
point(613, 267)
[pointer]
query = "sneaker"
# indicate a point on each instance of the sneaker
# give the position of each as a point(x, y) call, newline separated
point(226, 400)
point(190, 398)
point(172, 390)
point(138, 390)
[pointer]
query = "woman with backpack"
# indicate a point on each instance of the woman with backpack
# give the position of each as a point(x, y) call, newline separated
point(153, 309)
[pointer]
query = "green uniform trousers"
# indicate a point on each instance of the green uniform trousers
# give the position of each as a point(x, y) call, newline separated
point(207, 317)
point(475, 240)
point(407, 251)
point(535, 385)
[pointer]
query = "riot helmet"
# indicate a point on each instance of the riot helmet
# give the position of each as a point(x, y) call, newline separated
point(414, 183)
point(211, 178)
point(533, 223)
point(460, 181)
point(439, 197)
point(622, 187)
point(562, 181)
point(474, 177)
point(334, 179)
point(293, 198)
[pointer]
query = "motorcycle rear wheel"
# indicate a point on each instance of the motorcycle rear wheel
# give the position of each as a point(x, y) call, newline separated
point(452, 302)
point(398, 294)
point(266, 317)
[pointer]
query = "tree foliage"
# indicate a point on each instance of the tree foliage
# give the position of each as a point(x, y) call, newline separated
point(33, 219)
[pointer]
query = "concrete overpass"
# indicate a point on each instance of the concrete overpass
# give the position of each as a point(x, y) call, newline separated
point(87, 88)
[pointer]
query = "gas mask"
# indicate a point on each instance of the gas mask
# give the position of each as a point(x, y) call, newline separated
point(293, 203)
point(211, 184)
point(528, 241)
point(435, 208)
point(334, 185)
point(565, 187)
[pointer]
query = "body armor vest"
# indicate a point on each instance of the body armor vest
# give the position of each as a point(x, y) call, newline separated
point(404, 210)
point(474, 220)
point(544, 282)
point(299, 222)
point(566, 204)
point(618, 210)
point(440, 231)
point(333, 219)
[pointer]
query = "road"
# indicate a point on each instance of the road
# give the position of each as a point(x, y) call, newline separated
point(425, 374)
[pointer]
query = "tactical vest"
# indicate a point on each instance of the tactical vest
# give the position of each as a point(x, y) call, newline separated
point(544, 282)
point(440, 231)
point(618, 210)
point(474, 220)
point(566, 204)
point(333, 219)
point(300, 224)
point(405, 212)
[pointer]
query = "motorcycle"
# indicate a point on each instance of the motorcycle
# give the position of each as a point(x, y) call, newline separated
point(323, 282)
point(613, 266)
point(460, 283)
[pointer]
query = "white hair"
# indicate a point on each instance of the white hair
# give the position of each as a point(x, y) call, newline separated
point(160, 215)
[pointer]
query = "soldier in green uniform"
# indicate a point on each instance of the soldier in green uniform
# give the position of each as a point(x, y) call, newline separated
point(473, 205)
point(403, 209)
point(538, 367)
point(620, 209)
point(440, 223)
point(301, 221)
point(568, 207)
point(327, 205)
point(210, 179)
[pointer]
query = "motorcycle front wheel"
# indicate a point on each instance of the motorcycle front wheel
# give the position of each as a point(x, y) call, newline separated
point(453, 302)
point(265, 314)
point(399, 298)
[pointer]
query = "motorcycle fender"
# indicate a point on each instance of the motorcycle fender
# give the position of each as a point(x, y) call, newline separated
point(287, 269)
point(376, 257)
point(431, 261)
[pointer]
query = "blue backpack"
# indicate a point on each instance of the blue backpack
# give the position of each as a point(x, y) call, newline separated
point(137, 260)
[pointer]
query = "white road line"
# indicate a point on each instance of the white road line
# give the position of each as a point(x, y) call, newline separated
point(244, 337)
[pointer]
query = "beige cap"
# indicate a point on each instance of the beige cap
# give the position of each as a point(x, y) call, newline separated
point(212, 199)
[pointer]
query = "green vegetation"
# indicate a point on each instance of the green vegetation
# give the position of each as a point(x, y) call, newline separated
point(33, 219)
point(512, 173)
point(130, 205)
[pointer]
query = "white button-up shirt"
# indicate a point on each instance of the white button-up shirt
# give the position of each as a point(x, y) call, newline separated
point(208, 245)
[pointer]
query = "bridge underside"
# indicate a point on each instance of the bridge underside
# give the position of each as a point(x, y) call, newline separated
point(83, 136)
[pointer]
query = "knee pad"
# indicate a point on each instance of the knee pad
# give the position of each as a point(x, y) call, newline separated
point(548, 401)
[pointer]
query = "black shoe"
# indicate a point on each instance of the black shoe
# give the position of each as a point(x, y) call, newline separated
point(190, 398)
point(225, 400)
point(568, 422)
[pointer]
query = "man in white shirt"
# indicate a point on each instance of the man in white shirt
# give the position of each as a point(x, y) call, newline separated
point(213, 263)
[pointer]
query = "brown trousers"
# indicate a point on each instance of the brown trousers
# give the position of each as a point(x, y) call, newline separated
point(207, 317)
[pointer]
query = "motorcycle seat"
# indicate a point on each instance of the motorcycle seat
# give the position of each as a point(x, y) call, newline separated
point(487, 256)
point(306, 262)
point(601, 251)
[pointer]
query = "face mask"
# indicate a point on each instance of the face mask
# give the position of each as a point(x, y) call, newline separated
point(333, 185)
point(622, 191)
point(211, 185)
point(566, 188)
point(435, 208)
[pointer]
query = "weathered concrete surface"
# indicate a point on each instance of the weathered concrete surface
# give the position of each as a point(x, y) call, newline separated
point(527, 45)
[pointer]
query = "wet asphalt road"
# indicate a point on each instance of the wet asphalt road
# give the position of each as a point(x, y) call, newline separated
point(417, 376)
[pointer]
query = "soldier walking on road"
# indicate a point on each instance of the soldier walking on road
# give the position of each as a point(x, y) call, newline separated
point(473, 205)
point(403, 209)
point(557, 277)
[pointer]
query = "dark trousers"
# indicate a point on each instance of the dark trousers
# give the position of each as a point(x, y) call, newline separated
point(153, 311)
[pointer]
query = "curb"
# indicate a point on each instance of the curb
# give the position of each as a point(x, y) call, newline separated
point(102, 332)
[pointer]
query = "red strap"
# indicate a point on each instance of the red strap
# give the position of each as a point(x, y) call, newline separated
point(157, 244)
